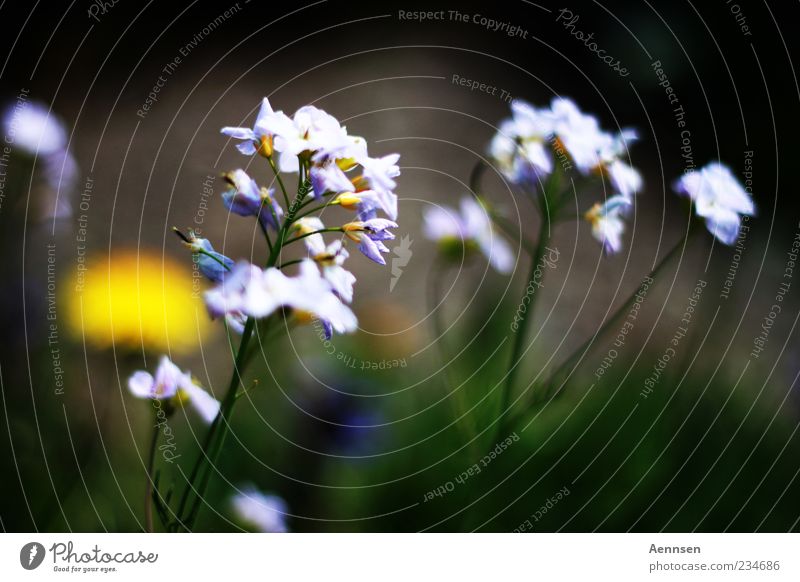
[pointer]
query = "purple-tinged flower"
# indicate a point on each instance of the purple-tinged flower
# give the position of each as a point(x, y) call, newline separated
point(245, 198)
point(213, 265)
point(471, 228)
point(370, 234)
point(174, 386)
point(718, 198)
point(260, 137)
point(519, 148)
point(607, 223)
point(329, 178)
point(267, 513)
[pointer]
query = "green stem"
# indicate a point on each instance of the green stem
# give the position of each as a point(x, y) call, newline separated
point(290, 263)
point(224, 416)
point(148, 490)
point(555, 377)
point(221, 424)
point(279, 179)
point(526, 316)
point(438, 269)
point(320, 231)
point(475, 176)
point(315, 209)
point(217, 259)
point(508, 228)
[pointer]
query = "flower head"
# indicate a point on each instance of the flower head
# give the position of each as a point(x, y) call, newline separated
point(311, 133)
point(211, 264)
point(266, 512)
point(135, 299)
point(174, 386)
point(607, 223)
point(524, 146)
point(579, 133)
point(330, 261)
point(370, 234)
point(34, 128)
point(718, 198)
point(519, 148)
point(245, 198)
point(329, 177)
point(260, 137)
point(471, 228)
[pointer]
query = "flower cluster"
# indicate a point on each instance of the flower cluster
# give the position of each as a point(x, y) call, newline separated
point(337, 169)
point(334, 169)
point(334, 166)
point(530, 143)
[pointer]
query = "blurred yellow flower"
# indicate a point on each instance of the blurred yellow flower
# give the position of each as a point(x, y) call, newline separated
point(137, 300)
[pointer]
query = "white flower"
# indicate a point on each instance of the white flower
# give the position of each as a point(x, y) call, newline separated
point(329, 177)
point(258, 293)
point(607, 223)
point(719, 198)
point(33, 128)
point(330, 261)
point(330, 258)
point(625, 179)
point(266, 512)
point(260, 137)
point(312, 130)
point(471, 226)
point(579, 133)
point(380, 172)
point(519, 148)
point(170, 383)
point(307, 225)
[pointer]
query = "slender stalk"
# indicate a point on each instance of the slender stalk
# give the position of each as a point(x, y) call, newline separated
point(570, 362)
point(315, 209)
point(221, 424)
point(508, 228)
point(438, 269)
point(320, 231)
point(290, 263)
point(526, 316)
point(148, 490)
point(279, 179)
point(226, 408)
point(475, 176)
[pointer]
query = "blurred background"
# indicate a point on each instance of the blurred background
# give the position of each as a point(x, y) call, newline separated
point(355, 433)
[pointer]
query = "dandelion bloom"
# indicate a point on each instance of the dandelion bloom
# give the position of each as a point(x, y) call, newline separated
point(137, 299)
